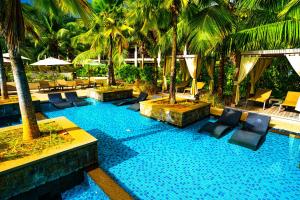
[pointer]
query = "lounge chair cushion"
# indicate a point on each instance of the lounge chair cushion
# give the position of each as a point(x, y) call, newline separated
point(134, 107)
point(257, 123)
point(230, 117)
point(247, 139)
point(62, 105)
point(142, 97)
point(80, 102)
point(261, 95)
point(57, 100)
point(215, 130)
point(291, 99)
point(76, 101)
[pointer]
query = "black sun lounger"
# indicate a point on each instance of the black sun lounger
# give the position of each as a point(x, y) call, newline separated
point(57, 100)
point(228, 120)
point(142, 97)
point(253, 133)
point(76, 101)
point(134, 107)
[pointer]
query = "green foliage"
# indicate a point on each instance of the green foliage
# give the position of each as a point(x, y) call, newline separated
point(95, 70)
point(148, 74)
point(281, 78)
point(128, 73)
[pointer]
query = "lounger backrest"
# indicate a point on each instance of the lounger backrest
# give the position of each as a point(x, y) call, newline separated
point(44, 84)
point(142, 97)
point(292, 97)
point(55, 98)
point(200, 85)
point(263, 94)
point(230, 117)
point(257, 123)
point(71, 96)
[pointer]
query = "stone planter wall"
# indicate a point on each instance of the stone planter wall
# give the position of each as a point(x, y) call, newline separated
point(178, 117)
point(12, 109)
point(48, 169)
point(110, 95)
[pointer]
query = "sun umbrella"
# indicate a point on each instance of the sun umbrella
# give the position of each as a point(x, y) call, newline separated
point(6, 55)
point(51, 62)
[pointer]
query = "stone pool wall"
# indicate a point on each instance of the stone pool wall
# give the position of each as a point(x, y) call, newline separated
point(178, 117)
point(110, 95)
point(12, 109)
point(53, 167)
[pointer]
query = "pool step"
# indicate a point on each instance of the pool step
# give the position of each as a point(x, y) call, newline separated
point(112, 189)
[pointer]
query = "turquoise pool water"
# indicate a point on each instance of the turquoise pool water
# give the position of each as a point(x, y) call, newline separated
point(154, 160)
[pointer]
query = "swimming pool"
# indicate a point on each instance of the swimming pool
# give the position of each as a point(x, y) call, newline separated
point(154, 160)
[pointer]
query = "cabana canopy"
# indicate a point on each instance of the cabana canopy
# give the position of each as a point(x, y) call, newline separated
point(191, 63)
point(51, 62)
point(6, 55)
point(255, 62)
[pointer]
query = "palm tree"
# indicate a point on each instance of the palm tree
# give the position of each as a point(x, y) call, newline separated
point(3, 85)
point(270, 24)
point(107, 33)
point(13, 29)
point(211, 25)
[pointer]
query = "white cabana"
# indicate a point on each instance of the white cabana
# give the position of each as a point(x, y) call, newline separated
point(255, 62)
point(51, 62)
point(192, 66)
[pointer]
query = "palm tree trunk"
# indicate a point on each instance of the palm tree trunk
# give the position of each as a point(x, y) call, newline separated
point(3, 85)
point(111, 74)
point(221, 75)
point(172, 97)
point(30, 126)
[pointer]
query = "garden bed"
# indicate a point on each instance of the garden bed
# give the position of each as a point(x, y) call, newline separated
point(49, 160)
point(110, 94)
point(183, 113)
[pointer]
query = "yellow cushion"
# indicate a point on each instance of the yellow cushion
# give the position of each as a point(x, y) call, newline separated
point(291, 99)
point(262, 95)
point(200, 85)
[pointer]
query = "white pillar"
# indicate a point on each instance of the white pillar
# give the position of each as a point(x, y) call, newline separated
point(135, 56)
point(185, 50)
point(99, 58)
point(159, 58)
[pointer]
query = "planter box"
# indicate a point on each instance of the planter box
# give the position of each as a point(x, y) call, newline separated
point(12, 108)
point(50, 169)
point(178, 115)
point(113, 95)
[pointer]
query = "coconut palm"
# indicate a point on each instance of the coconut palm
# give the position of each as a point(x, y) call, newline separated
point(3, 85)
point(211, 23)
point(270, 24)
point(13, 29)
point(107, 33)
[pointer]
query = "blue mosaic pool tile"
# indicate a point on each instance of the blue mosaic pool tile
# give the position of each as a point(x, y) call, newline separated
point(153, 160)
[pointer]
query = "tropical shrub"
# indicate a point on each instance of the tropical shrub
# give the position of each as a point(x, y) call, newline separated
point(128, 73)
point(92, 70)
point(148, 74)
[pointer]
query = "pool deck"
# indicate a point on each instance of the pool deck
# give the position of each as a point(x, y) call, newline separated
point(111, 188)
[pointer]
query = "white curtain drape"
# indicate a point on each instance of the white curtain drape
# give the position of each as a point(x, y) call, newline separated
point(295, 62)
point(191, 63)
point(247, 64)
point(258, 70)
